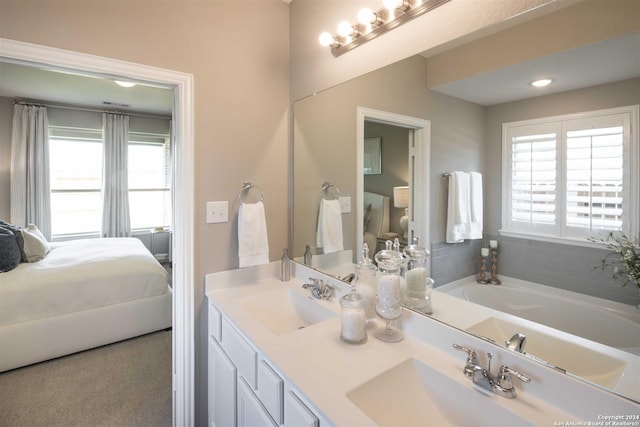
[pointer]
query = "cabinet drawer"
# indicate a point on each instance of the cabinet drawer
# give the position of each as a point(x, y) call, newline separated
point(270, 391)
point(243, 355)
point(296, 413)
point(215, 319)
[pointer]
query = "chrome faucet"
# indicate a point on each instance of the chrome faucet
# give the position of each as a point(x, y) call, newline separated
point(516, 342)
point(502, 384)
point(319, 289)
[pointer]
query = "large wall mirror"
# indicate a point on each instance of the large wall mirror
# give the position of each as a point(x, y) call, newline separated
point(465, 111)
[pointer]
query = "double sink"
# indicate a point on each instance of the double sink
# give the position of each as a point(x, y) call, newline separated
point(411, 393)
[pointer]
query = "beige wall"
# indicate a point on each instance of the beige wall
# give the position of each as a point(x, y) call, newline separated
point(241, 101)
point(325, 141)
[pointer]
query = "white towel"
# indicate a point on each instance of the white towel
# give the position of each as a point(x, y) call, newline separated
point(464, 209)
point(329, 232)
point(476, 206)
point(253, 242)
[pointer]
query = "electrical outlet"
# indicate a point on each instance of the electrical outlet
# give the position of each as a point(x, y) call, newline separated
point(217, 212)
point(345, 204)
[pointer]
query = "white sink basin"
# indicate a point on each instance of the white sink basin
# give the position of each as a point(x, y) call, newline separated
point(285, 310)
point(595, 366)
point(414, 394)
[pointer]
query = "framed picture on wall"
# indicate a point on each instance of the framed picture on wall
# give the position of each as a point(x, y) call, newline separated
point(372, 156)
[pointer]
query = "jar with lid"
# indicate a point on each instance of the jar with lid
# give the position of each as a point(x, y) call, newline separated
point(419, 285)
point(366, 282)
point(389, 306)
point(353, 317)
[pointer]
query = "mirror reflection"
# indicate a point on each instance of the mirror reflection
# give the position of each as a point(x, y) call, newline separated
point(552, 304)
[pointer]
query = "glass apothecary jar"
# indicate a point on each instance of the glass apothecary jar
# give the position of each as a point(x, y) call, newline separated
point(353, 317)
point(366, 282)
point(418, 285)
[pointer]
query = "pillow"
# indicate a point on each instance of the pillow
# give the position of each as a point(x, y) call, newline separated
point(17, 231)
point(35, 245)
point(10, 255)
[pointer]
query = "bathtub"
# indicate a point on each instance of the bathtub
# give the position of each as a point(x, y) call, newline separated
point(587, 337)
point(607, 322)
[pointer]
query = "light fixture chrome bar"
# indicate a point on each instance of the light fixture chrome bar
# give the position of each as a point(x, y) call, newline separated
point(400, 19)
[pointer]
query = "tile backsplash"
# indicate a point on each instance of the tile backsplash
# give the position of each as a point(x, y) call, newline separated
point(562, 266)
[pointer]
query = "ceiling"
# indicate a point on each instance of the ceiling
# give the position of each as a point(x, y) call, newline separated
point(61, 87)
point(598, 63)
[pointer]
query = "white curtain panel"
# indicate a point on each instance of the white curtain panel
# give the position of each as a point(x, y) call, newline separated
point(115, 177)
point(30, 198)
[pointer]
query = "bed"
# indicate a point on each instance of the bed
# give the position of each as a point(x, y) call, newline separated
point(83, 294)
point(376, 219)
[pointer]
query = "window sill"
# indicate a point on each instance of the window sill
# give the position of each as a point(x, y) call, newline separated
point(572, 241)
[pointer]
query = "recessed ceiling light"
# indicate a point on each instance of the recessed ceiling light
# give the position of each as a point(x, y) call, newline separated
point(541, 82)
point(124, 84)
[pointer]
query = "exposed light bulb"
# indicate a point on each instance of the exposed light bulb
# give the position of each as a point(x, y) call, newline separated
point(541, 82)
point(366, 16)
point(392, 4)
point(124, 84)
point(326, 39)
point(345, 29)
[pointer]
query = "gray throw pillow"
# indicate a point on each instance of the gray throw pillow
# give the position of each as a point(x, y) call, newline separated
point(17, 231)
point(10, 255)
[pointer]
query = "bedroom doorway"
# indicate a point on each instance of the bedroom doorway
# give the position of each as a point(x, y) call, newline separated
point(183, 198)
point(419, 140)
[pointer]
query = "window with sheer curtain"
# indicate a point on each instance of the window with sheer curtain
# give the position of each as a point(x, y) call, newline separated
point(76, 180)
point(571, 177)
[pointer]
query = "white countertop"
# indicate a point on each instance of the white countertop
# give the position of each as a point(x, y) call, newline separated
point(324, 369)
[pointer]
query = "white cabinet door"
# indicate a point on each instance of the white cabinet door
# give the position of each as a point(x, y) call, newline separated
point(222, 387)
point(296, 413)
point(251, 413)
point(270, 391)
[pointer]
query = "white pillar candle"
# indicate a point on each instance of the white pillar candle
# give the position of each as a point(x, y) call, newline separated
point(353, 325)
point(493, 244)
point(484, 251)
point(416, 279)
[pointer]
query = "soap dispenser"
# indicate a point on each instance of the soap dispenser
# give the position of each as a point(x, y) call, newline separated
point(419, 285)
point(366, 282)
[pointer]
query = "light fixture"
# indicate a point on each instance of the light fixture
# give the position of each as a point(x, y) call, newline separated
point(541, 82)
point(372, 24)
point(124, 84)
point(401, 200)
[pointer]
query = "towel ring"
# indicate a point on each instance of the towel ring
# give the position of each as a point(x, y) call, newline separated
point(245, 193)
point(329, 191)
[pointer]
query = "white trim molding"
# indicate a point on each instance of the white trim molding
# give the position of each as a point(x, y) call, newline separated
point(183, 242)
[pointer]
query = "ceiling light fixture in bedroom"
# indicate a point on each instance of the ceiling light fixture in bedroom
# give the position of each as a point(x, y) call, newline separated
point(373, 24)
point(124, 84)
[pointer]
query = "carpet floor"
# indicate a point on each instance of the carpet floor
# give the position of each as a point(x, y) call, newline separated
point(122, 384)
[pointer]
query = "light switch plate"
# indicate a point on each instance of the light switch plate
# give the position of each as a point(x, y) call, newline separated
point(345, 204)
point(217, 212)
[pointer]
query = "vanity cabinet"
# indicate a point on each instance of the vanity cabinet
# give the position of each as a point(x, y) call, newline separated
point(244, 389)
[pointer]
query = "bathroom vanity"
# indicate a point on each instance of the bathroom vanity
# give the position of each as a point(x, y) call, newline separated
point(276, 358)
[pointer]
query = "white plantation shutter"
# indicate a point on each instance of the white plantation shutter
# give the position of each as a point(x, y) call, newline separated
point(595, 178)
point(570, 177)
point(533, 172)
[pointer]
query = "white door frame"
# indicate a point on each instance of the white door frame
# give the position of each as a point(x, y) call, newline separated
point(419, 187)
point(183, 244)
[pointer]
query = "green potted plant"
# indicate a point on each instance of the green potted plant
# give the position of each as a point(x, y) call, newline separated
point(624, 257)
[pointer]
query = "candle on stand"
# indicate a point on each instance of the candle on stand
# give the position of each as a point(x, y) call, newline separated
point(493, 244)
point(484, 252)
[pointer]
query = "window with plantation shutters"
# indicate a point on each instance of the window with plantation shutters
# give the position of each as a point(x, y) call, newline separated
point(571, 177)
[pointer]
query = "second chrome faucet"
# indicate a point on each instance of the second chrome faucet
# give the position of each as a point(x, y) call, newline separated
point(501, 384)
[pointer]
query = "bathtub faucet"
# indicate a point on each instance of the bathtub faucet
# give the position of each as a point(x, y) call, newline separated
point(516, 342)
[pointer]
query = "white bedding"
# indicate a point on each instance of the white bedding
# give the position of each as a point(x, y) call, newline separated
point(79, 275)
